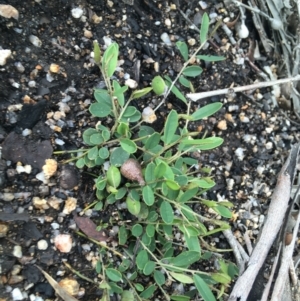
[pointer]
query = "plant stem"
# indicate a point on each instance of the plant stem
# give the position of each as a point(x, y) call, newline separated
point(78, 273)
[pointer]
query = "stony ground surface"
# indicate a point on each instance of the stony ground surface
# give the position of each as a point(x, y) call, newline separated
point(46, 86)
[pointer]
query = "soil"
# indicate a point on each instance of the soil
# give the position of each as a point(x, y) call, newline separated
point(257, 135)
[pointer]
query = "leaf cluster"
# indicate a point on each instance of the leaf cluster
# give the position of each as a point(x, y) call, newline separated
point(164, 205)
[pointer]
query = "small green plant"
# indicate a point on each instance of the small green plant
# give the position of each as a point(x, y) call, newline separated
point(155, 175)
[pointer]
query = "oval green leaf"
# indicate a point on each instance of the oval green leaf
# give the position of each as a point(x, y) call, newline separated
point(158, 85)
point(113, 274)
point(166, 212)
point(207, 110)
point(192, 71)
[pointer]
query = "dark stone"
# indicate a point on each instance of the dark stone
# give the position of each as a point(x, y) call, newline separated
point(47, 257)
point(31, 231)
point(16, 149)
point(6, 262)
point(31, 273)
point(44, 288)
point(69, 177)
point(30, 114)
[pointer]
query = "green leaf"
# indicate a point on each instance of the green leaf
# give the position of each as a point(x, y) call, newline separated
point(203, 289)
point(80, 163)
point(119, 92)
point(121, 193)
point(180, 298)
point(192, 243)
point(207, 110)
point(110, 59)
point(99, 110)
point(149, 268)
point(152, 141)
point(221, 278)
point(171, 126)
point(159, 278)
point(204, 28)
point(118, 156)
point(175, 90)
point(123, 235)
point(98, 267)
point(158, 85)
point(223, 211)
point(150, 230)
point(166, 212)
point(113, 176)
point(133, 206)
point(146, 294)
point(205, 183)
point(141, 259)
point(182, 277)
point(149, 172)
point(140, 93)
point(192, 71)
point(185, 82)
point(160, 170)
point(128, 145)
point(211, 58)
point(93, 153)
point(137, 230)
point(87, 136)
point(102, 96)
point(98, 206)
point(113, 274)
point(103, 153)
point(201, 144)
point(96, 138)
point(127, 296)
point(187, 195)
point(172, 185)
point(129, 111)
point(183, 48)
point(148, 195)
point(139, 287)
point(97, 53)
point(185, 259)
point(114, 288)
point(123, 129)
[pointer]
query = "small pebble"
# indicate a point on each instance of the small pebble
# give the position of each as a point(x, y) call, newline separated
point(63, 242)
point(34, 40)
point(19, 67)
point(77, 12)
point(40, 203)
point(166, 39)
point(131, 83)
point(148, 115)
point(3, 229)
point(49, 168)
point(26, 132)
point(70, 285)
point(7, 196)
point(17, 251)
point(4, 55)
point(16, 294)
point(42, 244)
point(54, 68)
point(70, 205)
point(88, 34)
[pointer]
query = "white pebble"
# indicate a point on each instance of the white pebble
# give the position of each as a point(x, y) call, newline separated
point(7, 196)
point(63, 242)
point(55, 226)
point(49, 77)
point(131, 83)
point(166, 39)
point(59, 141)
point(77, 12)
point(4, 55)
point(34, 40)
point(42, 244)
point(148, 115)
point(17, 294)
point(203, 4)
point(168, 22)
point(19, 67)
point(41, 177)
point(239, 152)
point(32, 84)
point(26, 132)
point(107, 41)
point(17, 251)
